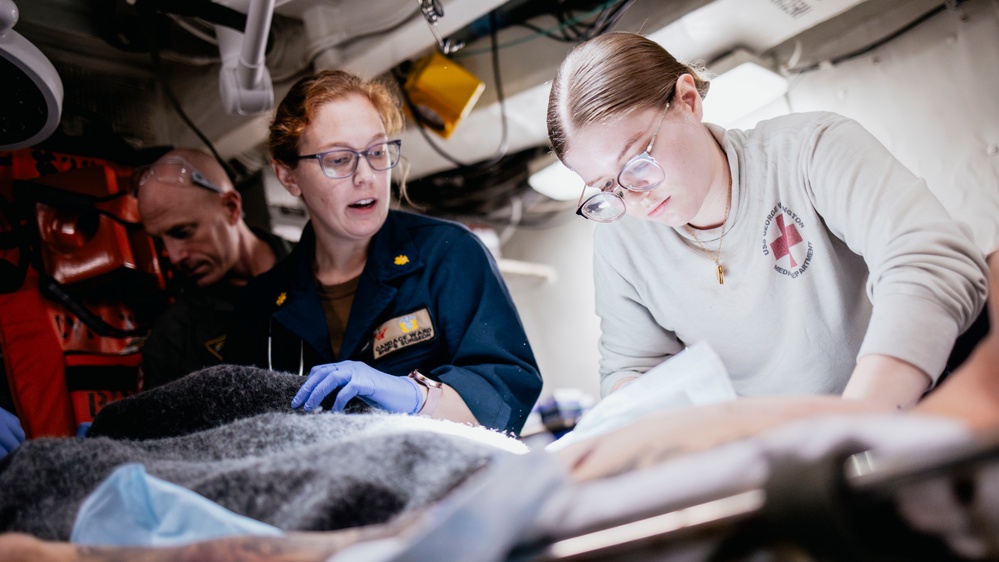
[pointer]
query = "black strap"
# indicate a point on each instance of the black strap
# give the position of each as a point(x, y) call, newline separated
point(53, 290)
point(12, 275)
point(810, 506)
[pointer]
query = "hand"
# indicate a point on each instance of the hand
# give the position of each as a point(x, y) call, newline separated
point(395, 394)
point(11, 432)
point(83, 429)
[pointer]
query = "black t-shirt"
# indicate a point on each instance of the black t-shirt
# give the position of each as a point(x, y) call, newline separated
point(189, 335)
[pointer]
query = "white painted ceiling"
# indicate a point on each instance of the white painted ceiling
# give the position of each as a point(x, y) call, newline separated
point(111, 82)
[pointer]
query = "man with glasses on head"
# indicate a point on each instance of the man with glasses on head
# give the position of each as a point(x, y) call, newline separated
point(188, 203)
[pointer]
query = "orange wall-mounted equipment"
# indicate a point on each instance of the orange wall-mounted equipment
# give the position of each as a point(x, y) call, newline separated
point(74, 319)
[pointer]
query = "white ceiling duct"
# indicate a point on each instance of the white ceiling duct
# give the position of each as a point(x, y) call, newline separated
point(114, 79)
point(244, 81)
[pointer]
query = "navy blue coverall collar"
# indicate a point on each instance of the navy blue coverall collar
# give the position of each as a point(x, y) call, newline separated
point(392, 255)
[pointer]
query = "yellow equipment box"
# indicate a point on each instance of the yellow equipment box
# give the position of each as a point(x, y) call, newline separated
point(442, 91)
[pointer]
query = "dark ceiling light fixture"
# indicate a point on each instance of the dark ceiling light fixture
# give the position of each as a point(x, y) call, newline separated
point(499, 196)
point(574, 20)
point(31, 96)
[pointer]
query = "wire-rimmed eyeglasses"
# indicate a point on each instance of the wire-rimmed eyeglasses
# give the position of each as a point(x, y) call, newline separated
point(342, 162)
point(172, 170)
point(641, 173)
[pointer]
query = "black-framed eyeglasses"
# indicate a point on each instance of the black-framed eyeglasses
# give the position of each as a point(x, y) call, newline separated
point(342, 162)
point(641, 173)
point(173, 170)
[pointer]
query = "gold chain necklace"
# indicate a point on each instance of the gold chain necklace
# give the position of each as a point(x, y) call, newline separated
point(720, 271)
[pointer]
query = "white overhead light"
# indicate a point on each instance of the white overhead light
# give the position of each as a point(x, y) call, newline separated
point(550, 177)
point(743, 84)
point(32, 88)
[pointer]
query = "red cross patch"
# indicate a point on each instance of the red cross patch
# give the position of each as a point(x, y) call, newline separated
point(781, 246)
point(782, 238)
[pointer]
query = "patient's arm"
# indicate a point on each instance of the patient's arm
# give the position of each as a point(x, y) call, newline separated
point(671, 433)
point(970, 394)
point(294, 547)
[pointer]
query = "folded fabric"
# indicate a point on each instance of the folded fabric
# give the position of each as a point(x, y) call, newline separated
point(464, 526)
point(132, 508)
point(696, 375)
point(202, 400)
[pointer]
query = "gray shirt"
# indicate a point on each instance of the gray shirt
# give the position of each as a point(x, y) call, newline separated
point(832, 250)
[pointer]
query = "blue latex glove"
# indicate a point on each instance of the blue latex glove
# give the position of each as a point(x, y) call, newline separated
point(353, 378)
point(83, 429)
point(11, 432)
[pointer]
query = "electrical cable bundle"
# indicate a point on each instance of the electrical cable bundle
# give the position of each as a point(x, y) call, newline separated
point(578, 28)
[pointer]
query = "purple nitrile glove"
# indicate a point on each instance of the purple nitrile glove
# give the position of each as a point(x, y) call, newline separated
point(354, 378)
point(11, 432)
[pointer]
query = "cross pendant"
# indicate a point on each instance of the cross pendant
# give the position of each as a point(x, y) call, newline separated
point(720, 274)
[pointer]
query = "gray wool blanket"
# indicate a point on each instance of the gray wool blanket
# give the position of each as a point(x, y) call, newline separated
point(229, 434)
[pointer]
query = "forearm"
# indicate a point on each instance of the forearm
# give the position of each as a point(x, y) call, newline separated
point(451, 407)
point(620, 383)
point(245, 548)
point(675, 432)
point(295, 547)
point(887, 381)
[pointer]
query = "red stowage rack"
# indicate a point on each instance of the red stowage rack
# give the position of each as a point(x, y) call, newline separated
point(89, 241)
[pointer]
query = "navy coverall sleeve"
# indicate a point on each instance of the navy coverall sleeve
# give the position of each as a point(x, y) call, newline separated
point(492, 368)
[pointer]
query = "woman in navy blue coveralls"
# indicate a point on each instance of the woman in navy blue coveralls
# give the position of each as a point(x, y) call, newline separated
point(406, 312)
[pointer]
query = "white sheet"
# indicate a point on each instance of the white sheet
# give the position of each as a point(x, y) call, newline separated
point(694, 376)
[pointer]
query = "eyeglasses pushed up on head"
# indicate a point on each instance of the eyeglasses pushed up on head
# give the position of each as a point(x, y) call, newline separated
point(172, 170)
point(641, 173)
point(342, 162)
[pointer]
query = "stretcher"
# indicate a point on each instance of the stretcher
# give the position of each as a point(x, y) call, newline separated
point(844, 505)
point(929, 496)
point(835, 486)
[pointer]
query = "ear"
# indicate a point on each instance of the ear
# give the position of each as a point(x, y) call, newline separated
point(286, 176)
point(686, 94)
point(233, 203)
